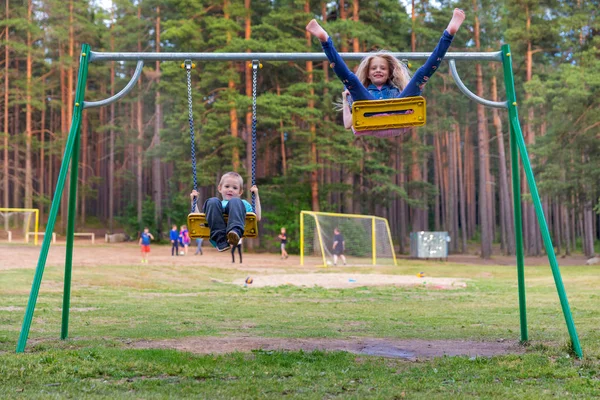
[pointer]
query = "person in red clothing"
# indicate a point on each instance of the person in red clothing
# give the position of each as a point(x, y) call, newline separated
point(145, 238)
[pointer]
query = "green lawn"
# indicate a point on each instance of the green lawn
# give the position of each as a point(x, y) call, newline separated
point(113, 306)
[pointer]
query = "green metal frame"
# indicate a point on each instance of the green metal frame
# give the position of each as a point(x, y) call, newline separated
point(517, 142)
point(71, 158)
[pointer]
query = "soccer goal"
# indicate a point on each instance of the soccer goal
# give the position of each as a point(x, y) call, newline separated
point(367, 238)
point(17, 223)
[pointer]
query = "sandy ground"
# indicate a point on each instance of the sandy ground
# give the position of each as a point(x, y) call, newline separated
point(413, 349)
point(14, 256)
point(344, 280)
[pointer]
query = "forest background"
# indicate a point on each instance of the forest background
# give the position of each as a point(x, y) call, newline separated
point(451, 175)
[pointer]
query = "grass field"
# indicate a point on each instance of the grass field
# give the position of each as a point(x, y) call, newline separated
point(128, 321)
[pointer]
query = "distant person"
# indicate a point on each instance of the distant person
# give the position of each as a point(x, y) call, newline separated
point(145, 238)
point(239, 248)
point(174, 237)
point(339, 246)
point(283, 238)
point(185, 238)
point(199, 246)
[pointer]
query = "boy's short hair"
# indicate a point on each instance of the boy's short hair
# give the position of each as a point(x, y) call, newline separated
point(232, 174)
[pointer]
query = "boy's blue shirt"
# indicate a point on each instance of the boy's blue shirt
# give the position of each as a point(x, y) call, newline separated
point(174, 235)
point(145, 239)
point(248, 205)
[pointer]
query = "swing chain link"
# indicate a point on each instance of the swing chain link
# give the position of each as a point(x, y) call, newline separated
point(255, 65)
point(188, 68)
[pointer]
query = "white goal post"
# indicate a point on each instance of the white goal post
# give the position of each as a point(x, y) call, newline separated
point(19, 223)
point(368, 240)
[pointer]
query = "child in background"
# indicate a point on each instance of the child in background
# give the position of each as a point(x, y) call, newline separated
point(239, 248)
point(145, 238)
point(199, 246)
point(339, 246)
point(185, 238)
point(174, 237)
point(283, 238)
point(224, 235)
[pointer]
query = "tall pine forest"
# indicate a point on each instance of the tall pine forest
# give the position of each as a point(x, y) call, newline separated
point(451, 175)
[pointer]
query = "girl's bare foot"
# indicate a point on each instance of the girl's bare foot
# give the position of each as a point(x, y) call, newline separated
point(457, 19)
point(315, 29)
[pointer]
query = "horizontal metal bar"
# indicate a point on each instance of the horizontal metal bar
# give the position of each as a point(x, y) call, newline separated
point(471, 95)
point(103, 56)
point(123, 92)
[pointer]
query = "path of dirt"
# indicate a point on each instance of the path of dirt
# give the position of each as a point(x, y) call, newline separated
point(26, 256)
point(413, 349)
point(347, 280)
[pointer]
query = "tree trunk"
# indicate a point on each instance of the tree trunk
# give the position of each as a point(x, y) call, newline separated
point(437, 181)
point(249, 73)
point(451, 198)
point(567, 228)
point(557, 226)
point(355, 42)
point(588, 229)
point(402, 212)
point(248, 78)
point(111, 146)
point(233, 118)
point(470, 184)
point(42, 168)
point(484, 215)
point(461, 189)
point(156, 163)
point(532, 228)
point(282, 136)
point(17, 194)
point(28, 116)
point(140, 140)
point(5, 164)
point(84, 164)
point(507, 227)
point(314, 184)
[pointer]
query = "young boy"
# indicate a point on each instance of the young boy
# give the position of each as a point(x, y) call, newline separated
point(339, 245)
point(174, 236)
point(283, 238)
point(239, 249)
point(199, 246)
point(224, 235)
point(145, 244)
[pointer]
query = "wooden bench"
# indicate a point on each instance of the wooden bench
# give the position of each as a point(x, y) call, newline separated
point(40, 233)
point(90, 234)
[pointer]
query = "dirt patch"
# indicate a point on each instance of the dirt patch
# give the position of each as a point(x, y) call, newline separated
point(410, 349)
point(349, 280)
point(12, 308)
point(17, 256)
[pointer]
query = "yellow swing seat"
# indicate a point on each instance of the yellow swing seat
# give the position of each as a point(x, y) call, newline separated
point(373, 115)
point(198, 228)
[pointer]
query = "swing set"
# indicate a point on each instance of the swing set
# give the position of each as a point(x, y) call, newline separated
point(369, 115)
point(196, 222)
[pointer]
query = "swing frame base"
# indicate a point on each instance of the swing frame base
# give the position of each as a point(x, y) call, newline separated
point(371, 115)
point(198, 227)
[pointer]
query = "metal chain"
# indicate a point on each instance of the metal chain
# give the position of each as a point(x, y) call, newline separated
point(188, 68)
point(255, 65)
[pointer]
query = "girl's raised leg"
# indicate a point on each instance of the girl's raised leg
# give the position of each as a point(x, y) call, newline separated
point(421, 77)
point(348, 78)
